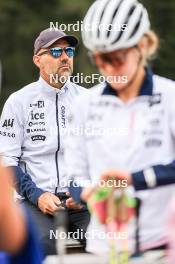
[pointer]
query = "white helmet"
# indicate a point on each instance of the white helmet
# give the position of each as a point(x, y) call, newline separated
point(110, 25)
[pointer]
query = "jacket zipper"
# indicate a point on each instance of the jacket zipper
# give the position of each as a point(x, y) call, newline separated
point(56, 153)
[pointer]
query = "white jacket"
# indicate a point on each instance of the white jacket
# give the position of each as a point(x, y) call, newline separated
point(132, 136)
point(32, 131)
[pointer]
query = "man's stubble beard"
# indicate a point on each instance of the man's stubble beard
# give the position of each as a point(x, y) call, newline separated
point(64, 74)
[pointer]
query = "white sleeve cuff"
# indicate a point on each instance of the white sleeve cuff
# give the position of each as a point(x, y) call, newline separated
point(150, 177)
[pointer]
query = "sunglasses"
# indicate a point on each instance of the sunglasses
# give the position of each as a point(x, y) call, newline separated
point(57, 52)
point(113, 58)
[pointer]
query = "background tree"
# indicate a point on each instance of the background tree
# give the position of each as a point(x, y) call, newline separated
point(22, 20)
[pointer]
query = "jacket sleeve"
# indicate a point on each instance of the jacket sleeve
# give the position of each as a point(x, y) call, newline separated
point(76, 160)
point(11, 141)
point(11, 132)
point(25, 186)
point(161, 174)
point(158, 175)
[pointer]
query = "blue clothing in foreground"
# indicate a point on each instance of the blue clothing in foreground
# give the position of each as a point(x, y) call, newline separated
point(31, 252)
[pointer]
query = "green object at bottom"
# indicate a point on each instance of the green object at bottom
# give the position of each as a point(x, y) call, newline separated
point(102, 194)
point(120, 258)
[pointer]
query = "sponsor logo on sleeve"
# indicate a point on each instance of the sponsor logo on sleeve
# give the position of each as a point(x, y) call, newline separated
point(6, 134)
point(8, 123)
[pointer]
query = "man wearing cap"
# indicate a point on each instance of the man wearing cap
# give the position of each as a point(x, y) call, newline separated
point(32, 132)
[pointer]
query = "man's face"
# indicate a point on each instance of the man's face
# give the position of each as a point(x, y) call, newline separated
point(57, 67)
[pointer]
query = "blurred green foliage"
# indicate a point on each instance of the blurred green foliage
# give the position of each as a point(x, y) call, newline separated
point(22, 20)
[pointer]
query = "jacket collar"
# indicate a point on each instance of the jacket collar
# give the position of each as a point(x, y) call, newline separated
point(145, 90)
point(50, 89)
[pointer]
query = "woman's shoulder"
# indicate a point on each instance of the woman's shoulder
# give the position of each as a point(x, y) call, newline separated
point(163, 85)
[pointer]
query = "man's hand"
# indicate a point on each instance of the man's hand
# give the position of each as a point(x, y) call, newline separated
point(71, 204)
point(47, 203)
point(119, 175)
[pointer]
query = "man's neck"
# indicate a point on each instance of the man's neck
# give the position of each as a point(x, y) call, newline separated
point(132, 90)
point(56, 85)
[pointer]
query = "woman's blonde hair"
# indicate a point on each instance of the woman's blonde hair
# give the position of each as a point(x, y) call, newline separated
point(153, 42)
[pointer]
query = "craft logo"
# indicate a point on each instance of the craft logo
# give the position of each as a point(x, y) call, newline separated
point(63, 119)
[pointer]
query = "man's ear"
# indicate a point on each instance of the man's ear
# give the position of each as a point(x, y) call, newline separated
point(36, 60)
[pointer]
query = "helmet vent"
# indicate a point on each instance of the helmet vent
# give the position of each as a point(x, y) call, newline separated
point(136, 27)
